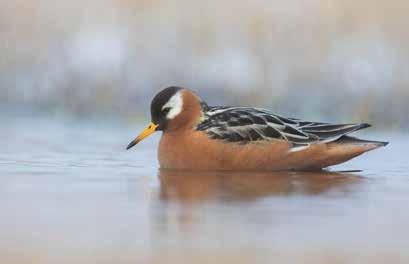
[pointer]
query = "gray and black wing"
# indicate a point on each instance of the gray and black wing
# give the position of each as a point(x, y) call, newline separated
point(246, 124)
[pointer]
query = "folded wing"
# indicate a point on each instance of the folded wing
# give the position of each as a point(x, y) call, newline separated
point(246, 124)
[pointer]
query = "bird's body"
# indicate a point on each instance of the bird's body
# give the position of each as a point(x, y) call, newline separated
point(199, 137)
point(195, 151)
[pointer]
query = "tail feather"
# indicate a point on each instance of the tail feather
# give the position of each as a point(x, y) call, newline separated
point(358, 141)
point(346, 148)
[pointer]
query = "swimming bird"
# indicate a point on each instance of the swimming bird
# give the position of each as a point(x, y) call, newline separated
point(197, 136)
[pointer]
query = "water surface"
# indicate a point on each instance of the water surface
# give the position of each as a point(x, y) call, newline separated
point(70, 193)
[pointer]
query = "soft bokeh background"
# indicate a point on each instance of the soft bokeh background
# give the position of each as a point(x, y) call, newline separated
point(332, 59)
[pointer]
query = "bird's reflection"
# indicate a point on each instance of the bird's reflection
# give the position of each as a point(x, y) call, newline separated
point(189, 202)
point(187, 186)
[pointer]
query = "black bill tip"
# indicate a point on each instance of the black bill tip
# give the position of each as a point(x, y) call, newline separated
point(130, 145)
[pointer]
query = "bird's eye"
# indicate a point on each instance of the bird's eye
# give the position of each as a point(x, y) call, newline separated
point(165, 111)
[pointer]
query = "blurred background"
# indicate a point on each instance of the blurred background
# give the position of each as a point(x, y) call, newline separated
point(336, 60)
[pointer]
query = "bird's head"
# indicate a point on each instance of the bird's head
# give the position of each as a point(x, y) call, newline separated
point(171, 109)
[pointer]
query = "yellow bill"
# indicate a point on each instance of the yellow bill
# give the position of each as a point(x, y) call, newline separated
point(145, 133)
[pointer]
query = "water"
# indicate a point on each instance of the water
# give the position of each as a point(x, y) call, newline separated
point(70, 193)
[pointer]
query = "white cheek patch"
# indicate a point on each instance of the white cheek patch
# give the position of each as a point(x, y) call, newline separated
point(175, 104)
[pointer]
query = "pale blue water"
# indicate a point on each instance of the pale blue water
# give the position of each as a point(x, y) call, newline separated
point(70, 193)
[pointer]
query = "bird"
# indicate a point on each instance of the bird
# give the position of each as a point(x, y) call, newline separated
point(196, 136)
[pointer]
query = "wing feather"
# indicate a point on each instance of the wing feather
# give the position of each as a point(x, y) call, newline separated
point(246, 124)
